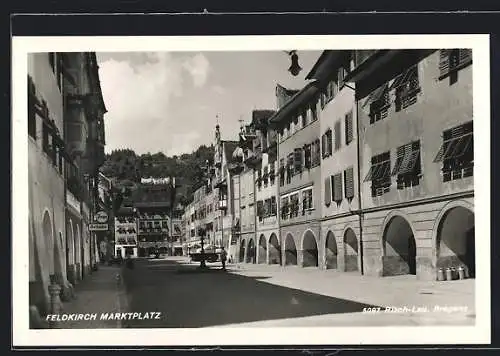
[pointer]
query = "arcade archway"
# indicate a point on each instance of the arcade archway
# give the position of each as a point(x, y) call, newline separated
point(400, 248)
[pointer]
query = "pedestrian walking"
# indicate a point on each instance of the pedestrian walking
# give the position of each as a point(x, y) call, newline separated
point(223, 257)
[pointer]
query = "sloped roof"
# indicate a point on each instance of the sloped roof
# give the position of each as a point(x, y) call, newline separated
point(229, 147)
point(261, 117)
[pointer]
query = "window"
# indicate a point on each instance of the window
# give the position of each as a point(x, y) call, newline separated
point(348, 128)
point(259, 179)
point(407, 87)
point(451, 61)
point(380, 174)
point(328, 191)
point(457, 152)
point(297, 161)
point(338, 136)
point(326, 144)
point(349, 183)
point(307, 156)
point(341, 75)
point(307, 202)
point(265, 176)
point(273, 206)
point(284, 208)
point(379, 104)
point(294, 205)
point(52, 61)
point(260, 210)
point(316, 154)
point(31, 108)
point(407, 167)
point(337, 195)
point(282, 172)
point(289, 168)
point(46, 137)
point(303, 117)
point(314, 112)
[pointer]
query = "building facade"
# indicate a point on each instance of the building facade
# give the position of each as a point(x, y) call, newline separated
point(299, 154)
point(414, 111)
point(340, 221)
point(65, 150)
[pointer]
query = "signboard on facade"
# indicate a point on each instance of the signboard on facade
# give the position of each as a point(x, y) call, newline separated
point(98, 227)
point(166, 180)
point(101, 217)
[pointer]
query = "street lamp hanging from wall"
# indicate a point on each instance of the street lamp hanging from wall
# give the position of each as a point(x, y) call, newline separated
point(295, 68)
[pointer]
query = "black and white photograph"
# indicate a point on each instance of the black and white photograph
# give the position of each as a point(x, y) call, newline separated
point(256, 190)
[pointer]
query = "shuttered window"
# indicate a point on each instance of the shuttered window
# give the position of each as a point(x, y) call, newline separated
point(348, 128)
point(349, 183)
point(452, 60)
point(328, 191)
point(337, 187)
point(329, 142)
point(457, 152)
point(380, 174)
point(297, 160)
point(307, 156)
point(338, 136)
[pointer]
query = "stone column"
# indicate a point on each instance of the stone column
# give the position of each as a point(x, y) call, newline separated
point(55, 303)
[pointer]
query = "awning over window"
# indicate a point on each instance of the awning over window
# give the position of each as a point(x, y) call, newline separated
point(454, 148)
point(375, 95)
point(378, 171)
point(403, 77)
point(406, 160)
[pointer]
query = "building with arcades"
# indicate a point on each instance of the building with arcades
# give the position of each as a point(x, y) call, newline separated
point(299, 176)
point(416, 160)
point(340, 221)
point(65, 150)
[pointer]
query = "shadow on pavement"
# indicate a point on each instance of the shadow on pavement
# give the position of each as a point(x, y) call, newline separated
point(187, 298)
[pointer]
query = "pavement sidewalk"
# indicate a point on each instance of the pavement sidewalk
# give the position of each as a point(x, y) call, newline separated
point(99, 293)
point(452, 301)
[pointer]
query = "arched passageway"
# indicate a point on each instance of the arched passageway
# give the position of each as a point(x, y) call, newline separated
point(309, 250)
point(262, 249)
point(242, 251)
point(290, 251)
point(330, 251)
point(274, 250)
point(350, 251)
point(251, 251)
point(400, 248)
point(456, 240)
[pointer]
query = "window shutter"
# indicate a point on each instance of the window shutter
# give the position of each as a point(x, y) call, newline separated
point(337, 187)
point(298, 160)
point(465, 56)
point(348, 128)
point(329, 142)
point(337, 135)
point(444, 61)
point(323, 145)
point(349, 183)
point(328, 191)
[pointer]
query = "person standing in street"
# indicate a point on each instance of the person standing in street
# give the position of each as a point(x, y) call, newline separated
point(223, 257)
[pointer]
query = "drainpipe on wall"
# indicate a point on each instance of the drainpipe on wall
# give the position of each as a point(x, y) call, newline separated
point(360, 209)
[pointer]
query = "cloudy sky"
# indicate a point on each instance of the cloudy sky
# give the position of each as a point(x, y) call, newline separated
point(168, 101)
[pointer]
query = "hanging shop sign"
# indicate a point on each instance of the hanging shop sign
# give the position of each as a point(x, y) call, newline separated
point(101, 217)
point(98, 227)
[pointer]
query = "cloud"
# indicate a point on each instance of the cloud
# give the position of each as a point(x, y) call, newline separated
point(141, 93)
point(199, 67)
point(184, 143)
point(219, 90)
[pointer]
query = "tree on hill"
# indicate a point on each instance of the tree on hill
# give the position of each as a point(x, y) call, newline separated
point(126, 166)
